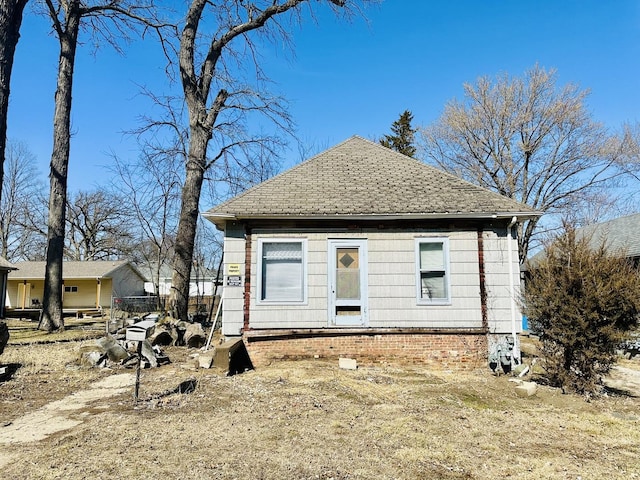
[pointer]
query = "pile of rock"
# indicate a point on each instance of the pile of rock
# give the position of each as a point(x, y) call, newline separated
point(109, 351)
point(116, 350)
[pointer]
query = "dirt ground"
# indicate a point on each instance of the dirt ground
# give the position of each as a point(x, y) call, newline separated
point(301, 420)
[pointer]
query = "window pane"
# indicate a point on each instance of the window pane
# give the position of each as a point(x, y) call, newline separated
point(434, 285)
point(282, 251)
point(282, 271)
point(348, 283)
point(431, 256)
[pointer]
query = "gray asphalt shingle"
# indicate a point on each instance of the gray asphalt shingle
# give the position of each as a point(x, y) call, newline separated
point(94, 269)
point(619, 235)
point(361, 178)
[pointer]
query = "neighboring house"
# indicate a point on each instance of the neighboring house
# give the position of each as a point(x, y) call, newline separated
point(87, 285)
point(620, 235)
point(5, 268)
point(364, 252)
point(202, 282)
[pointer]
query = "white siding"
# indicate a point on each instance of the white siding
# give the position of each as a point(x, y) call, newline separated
point(392, 289)
point(233, 296)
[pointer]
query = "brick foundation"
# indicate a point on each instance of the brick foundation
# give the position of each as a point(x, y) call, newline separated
point(437, 350)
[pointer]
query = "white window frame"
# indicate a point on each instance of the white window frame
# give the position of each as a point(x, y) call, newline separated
point(70, 289)
point(421, 300)
point(260, 272)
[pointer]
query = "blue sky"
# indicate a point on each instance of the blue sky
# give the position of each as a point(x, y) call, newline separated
point(347, 78)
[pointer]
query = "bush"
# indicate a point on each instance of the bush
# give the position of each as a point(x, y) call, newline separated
point(582, 302)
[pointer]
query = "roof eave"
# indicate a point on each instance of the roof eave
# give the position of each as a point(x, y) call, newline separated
point(220, 219)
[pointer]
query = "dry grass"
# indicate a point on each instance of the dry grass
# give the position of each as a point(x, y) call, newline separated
point(311, 420)
point(26, 332)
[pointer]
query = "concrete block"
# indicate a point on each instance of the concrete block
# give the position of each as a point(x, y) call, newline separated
point(206, 360)
point(348, 363)
point(526, 389)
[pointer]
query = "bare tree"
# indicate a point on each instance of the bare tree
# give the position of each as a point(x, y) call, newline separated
point(110, 22)
point(528, 139)
point(98, 227)
point(10, 22)
point(22, 208)
point(151, 191)
point(218, 100)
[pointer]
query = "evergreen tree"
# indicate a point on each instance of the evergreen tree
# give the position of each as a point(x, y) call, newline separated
point(582, 302)
point(402, 136)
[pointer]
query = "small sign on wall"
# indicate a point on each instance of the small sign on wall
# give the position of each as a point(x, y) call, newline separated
point(234, 281)
point(233, 269)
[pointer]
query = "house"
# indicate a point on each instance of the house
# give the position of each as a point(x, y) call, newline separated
point(203, 281)
point(618, 235)
point(363, 252)
point(5, 268)
point(202, 285)
point(87, 285)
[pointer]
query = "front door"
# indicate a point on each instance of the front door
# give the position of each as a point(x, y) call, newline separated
point(348, 283)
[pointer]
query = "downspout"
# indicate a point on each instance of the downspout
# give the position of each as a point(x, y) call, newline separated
point(516, 345)
point(247, 280)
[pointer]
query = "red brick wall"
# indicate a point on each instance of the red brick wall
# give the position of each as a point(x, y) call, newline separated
point(442, 351)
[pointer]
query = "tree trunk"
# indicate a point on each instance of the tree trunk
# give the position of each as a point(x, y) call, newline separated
point(185, 237)
point(10, 21)
point(52, 297)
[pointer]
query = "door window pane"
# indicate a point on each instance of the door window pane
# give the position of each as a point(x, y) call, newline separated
point(347, 273)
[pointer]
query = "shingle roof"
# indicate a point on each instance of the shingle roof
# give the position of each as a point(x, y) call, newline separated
point(6, 265)
point(360, 178)
point(619, 234)
point(76, 270)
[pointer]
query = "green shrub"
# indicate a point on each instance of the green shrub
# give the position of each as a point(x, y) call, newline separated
point(582, 302)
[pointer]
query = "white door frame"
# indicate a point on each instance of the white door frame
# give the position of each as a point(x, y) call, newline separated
point(359, 305)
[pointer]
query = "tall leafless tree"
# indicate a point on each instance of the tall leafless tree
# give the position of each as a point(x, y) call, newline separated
point(10, 22)
point(99, 227)
point(216, 98)
point(23, 207)
point(151, 191)
point(530, 140)
point(110, 22)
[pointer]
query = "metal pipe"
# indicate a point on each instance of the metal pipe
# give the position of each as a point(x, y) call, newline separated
point(516, 344)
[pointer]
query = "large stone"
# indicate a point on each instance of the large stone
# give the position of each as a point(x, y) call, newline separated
point(194, 335)
point(232, 357)
point(205, 360)
point(149, 354)
point(115, 352)
point(164, 334)
point(526, 389)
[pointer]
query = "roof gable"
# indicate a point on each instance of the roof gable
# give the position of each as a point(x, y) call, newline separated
point(361, 178)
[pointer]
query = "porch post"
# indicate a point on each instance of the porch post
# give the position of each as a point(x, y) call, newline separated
point(24, 294)
point(98, 288)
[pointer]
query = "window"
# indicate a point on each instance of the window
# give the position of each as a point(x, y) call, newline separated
point(432, 267)
point(70, 289)
point(282, 267)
